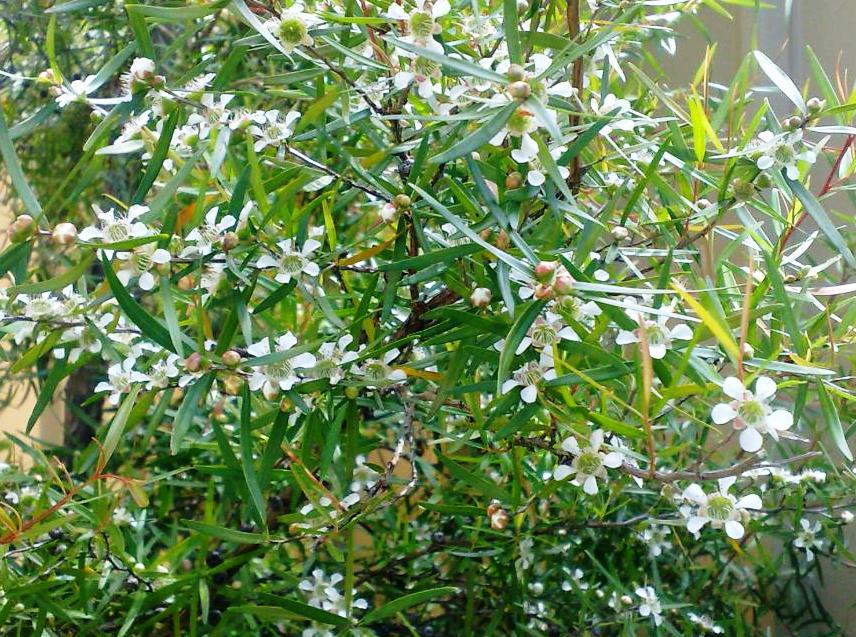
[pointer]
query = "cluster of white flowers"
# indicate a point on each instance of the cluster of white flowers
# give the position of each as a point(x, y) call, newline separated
point(323, 592)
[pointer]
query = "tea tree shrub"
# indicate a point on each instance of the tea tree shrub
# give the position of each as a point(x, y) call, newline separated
point(445, 318)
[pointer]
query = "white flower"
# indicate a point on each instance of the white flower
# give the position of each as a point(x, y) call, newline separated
point(283, 373)
point(292, 26)
point(378, 372)
point(292, 262)
point(272, 131)
point(364, 476)
point(114, 227)
point(76, 91)
point(421, 71)
point(650, 604)
point(162, 371)
point(208, 234)
point(705, 623)
point(480, 297)
point(720, 509)
point(139, 263)
point(521, 123)
point(545, 332)
point(589, 463)
point(576, 581)
point(141, 74)
point(120, 378)
point(530, 376)
point(847, 517)
point(331, 357)
point(660, 335)
point(527, 555)
point(320, 587)
point(620, 120)
point(778, 152)
point(656, 536)
point(751, 412)
point(807, 538)
point(421, 22)
point(535, 176)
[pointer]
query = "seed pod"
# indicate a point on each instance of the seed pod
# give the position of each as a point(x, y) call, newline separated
point(64, 234)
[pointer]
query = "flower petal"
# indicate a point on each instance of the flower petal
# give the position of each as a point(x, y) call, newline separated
point(751, 440)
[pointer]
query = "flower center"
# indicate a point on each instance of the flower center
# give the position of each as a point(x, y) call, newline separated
point(720, 507)
point(376, 370)
point(751, 412)
point(324, 368)
point(141, 260)
point(655, 333)
point(785, 154)
point(544, 335)
point(530, 374)
point(519, 123)
point(292, 30)
point(589, 462)
point(209, 234)
point(278, 371)
point(292, 263)
point(421, 24)
point(117, 231)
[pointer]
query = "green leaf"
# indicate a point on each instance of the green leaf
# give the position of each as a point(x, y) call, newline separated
point(46, 394)
point(158, 156)
point(482, 136)
point(170, 315)
point(512, 33)
point(833, 421)
point(461, 66)
point(56, 283)
point(142, 318)
point(75, 5)
point(446, 255)
point(781, 80)
point(472, 236)
point(142, 36)
point(117, 426)
point(305, 610)
point(224, 533)
point(259, 508)
point(165, 195)
point(515, 336)
point(484, 486)
point(175, 14)
point(815, 210)
point(16, 173)
point(185, 413)
point(406, 601)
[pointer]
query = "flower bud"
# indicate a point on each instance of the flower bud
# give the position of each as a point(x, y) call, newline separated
point(486, 234)
point(352, 392)
point(230, 241)
point(163, 269)
point(522, 6)
point(401, 202)
point(519, 90)
point(626, 600)
point(64, 234)
point(388, 213)
point(480, 297)
point(502, 240)
point(545, 271)
point(22, 229)
point(185, 283)
point(619, 233)
point(513, 180)
point(498, 516)
point(792, 123)
point(544, 292)
point(763, 181)
point(748, 351)
point(47, 78)
point(846, 517)
point(564, 283)
point(516, 73)
point(231, 358)
point(193, 363)
point(815, 105)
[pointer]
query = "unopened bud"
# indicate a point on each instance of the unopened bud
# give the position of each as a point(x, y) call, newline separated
point(480, 297)
point(763, 181)
point(270, 392)
point(230, 241)
point(815, 105)
point(545, 271)
point(231, 358)
point(792, 123)
point(502, 240)
point(513, 180)
point(352, 392)
point(544, 292)
point(564, 284)
point(401, 202)
point(748, 351)
point(846, 517)
point(498, 516)
point(522, 6)
point(485, 234)
point(22, 229)
point(163, 268)
point(64, 234)
point(47, 78)
point(626, 600)
point(619, 233)
point(193, 363)
point(185, 283)
point(519, 90)
point(516, 73)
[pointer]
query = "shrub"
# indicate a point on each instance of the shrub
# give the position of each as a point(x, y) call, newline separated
point(433, 319)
